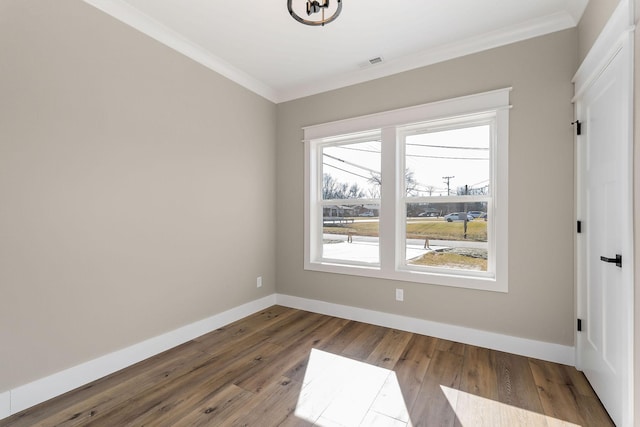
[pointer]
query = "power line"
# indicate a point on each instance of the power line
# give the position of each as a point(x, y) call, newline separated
point(361, 149)
point(446, 157)
point(351, 164)
point(448, 146)
point(344, 170)
point(478, 183)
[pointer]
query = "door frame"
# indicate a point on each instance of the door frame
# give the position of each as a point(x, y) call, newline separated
point(616, 38)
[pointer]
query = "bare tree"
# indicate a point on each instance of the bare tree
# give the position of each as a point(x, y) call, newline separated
point(376, 179)
point(469, 191)
point(333, 189)
point(374, 192)
point(355, 192)
point(410, 183)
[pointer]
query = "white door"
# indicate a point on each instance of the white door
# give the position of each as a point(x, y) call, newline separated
point(605, 256)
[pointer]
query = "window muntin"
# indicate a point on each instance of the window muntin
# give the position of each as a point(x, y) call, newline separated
point(397, 199)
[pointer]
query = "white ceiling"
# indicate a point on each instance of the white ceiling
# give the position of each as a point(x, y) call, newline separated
point(260, 46)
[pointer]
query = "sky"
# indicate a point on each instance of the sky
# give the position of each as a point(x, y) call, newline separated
point(461, 153)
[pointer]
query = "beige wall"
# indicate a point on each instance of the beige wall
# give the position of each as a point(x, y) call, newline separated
point(135, 199)
point(134, 196)
point(540, 301)
point(592, 22)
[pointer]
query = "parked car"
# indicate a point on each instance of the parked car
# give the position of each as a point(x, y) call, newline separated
point(457, 216)
point(476, 214)
point(428, 214)
point(366, 213)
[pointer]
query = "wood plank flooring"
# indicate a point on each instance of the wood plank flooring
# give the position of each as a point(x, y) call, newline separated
point(287, 367)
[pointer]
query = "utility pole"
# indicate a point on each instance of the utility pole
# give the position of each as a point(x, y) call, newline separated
point(446, 180)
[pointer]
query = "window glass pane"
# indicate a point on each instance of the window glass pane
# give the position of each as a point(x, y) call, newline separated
point(447, 235)
point(350, 233)
point(351, 170)
point(441, 160)
point(448, 162)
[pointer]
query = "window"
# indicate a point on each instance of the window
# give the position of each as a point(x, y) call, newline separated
point(418, 194)
point(350, 198)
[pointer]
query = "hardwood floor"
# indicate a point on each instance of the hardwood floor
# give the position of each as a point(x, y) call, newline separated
point(286, 367)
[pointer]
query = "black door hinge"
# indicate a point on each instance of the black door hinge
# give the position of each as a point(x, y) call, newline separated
point(578, 127)
point(579, 227)
point(579, 325)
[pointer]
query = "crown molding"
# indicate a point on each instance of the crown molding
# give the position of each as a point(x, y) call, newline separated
point(530, 29)
point(617, 33)
point(131, 16)
point(576, 8)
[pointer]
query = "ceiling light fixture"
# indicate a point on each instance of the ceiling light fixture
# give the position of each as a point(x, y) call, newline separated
point(318, 12)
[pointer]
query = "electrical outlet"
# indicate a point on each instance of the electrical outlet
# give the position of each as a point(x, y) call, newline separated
point(259, 282)
point(399, 294)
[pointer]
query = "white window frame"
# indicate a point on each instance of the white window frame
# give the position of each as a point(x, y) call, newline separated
point(436, 126)
point(321, 203)
point(392, 225)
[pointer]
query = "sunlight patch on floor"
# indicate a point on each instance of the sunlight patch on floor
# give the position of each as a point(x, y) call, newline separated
point(472, 410)
point(338, 391)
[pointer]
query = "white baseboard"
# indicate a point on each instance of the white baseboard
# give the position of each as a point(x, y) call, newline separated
point(525, 347)
point(31, 394)
point(5, 404)
point(36, 392)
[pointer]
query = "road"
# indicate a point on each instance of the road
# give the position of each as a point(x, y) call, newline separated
point(413, 242)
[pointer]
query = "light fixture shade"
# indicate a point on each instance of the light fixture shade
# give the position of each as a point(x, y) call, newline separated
point(314, 12)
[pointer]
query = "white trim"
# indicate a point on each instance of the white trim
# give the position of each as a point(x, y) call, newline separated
point(5, 404)
point(131, 16)
point(463, 105)
point(495, 103)
point(530, 29)
point(576, 9)
point(615, 34)
point(525, 347)
point(617, 38)
point(38, 391)
point(388, 226)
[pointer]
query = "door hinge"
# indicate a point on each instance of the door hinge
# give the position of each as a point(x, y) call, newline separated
point(579, 325)
point(578, 127)
point(579, 227)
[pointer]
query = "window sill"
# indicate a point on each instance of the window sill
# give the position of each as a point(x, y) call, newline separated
point(429, 278)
